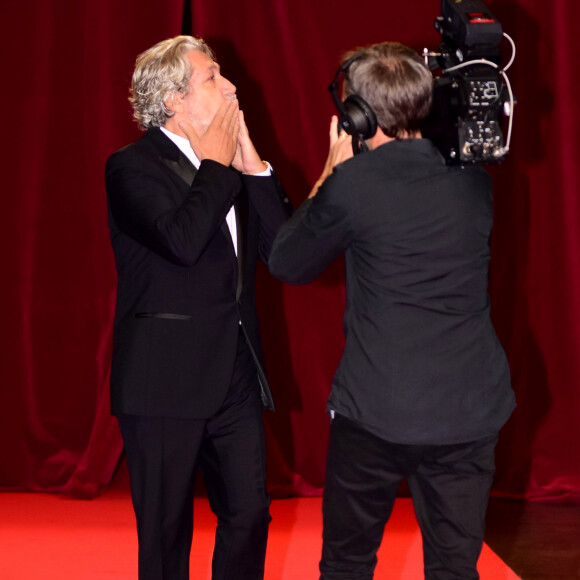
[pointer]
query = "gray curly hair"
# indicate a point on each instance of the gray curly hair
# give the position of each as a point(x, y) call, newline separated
point(159, 71)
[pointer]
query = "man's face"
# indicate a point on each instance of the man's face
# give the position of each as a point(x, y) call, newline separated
point(207, 91)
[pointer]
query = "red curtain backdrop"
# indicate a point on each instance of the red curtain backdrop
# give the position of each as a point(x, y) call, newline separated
point(65, 87)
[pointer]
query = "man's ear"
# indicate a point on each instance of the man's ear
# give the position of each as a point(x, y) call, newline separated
point(174, 102)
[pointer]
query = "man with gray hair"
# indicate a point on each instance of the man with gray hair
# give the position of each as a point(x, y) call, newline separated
point(192, 206)
point(423, 385)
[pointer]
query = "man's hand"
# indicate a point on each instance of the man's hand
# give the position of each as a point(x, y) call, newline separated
point(246, 158)
point(340, 150)
point(219, 142)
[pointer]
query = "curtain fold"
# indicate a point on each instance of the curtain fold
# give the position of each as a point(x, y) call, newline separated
point(66, 77)
point(282, 56)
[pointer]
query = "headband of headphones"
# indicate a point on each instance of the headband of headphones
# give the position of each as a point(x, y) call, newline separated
point(356, 116)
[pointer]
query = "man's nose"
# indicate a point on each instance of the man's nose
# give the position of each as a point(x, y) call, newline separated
point(228, 87)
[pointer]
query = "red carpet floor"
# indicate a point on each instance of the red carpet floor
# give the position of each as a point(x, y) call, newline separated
point(48, 537)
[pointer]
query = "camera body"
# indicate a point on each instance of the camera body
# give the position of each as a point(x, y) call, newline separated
point(470, 97)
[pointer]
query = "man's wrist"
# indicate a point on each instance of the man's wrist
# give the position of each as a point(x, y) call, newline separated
point(262, 169)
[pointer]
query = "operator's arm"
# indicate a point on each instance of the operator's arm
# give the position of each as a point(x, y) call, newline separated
point(320, 230)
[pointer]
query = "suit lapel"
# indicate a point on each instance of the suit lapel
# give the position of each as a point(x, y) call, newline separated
point(241, 206)
point(226, 232)
point(182, 167)
point(171, 156)
point(241, 213)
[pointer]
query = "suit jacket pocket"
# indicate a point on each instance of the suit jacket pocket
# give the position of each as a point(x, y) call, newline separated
point(164, 315)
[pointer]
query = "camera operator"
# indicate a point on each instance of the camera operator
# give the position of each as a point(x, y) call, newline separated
point(423, 385)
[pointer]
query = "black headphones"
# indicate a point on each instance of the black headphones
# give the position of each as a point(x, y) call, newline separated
point(356, 116)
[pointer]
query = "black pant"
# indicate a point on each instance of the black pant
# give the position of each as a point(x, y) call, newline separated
point(450, 487)
point(163, 454)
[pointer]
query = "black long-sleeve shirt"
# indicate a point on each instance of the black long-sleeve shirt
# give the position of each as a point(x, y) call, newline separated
point(422, 363)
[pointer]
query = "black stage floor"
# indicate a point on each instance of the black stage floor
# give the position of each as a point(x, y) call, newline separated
point(537, 540)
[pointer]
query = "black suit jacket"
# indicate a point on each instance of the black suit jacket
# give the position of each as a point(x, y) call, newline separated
point(422, 363)
point(181, 291)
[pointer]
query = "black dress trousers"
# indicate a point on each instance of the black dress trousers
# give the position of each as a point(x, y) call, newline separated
point(450, 487)
point(163, 455)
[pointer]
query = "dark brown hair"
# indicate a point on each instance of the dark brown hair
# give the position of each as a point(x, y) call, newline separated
point(394, 80)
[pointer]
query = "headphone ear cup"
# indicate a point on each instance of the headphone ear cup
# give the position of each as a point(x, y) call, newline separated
point(358, 118)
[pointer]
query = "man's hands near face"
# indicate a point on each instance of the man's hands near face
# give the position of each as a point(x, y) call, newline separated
point(247, 159)
point(226, 140)
point(220, 141)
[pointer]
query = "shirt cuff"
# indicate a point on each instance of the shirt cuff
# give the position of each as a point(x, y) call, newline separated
point(266, 173)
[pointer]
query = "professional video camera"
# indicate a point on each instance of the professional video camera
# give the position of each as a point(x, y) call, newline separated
point(473, 92)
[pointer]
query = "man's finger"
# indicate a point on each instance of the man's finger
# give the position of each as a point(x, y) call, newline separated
point(231, 115)
point(334, 131)
point(243, 127)
point(224, 114)
point(221, 113)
